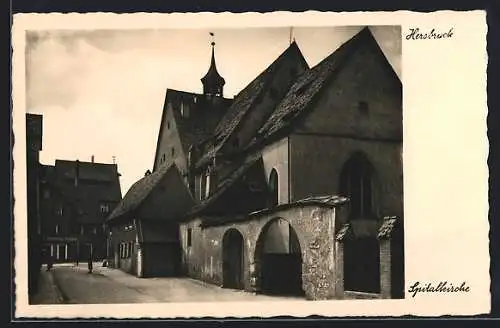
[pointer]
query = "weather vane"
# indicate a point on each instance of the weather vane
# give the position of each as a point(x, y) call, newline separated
point(212, 35)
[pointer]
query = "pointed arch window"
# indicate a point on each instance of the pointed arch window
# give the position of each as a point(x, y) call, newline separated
point(273, 188)
point(356, 182)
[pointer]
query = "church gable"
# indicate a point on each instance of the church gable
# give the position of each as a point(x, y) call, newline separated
point(289, 67)
point(254, 104)
point(169, 148)
point(363, 99)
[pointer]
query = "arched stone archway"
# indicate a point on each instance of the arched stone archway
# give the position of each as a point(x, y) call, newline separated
point(278, 259)
point(232, 259)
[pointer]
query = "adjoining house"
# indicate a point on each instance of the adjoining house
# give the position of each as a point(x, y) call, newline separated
point(34, 132)
point(299, 187)
point(144, 229)
point(76, 198)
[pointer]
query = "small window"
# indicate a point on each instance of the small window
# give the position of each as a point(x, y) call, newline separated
point(172, 151)
point(304, 87)
point(59, 211)
point(363, 107)
point(168, 125)
point(184, 111)
point(95, 231)
point(207, 184)
point(57, 229)
point(46, 193)
point(189, 237)
point(104, 208)
point(162, 158)
point(195, 99)
point(82, 230)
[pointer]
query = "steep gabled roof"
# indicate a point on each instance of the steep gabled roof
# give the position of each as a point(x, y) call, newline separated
point(203, 117)
point(243, 103)
point(225, 185)
point(140, 191)
point(309, 85)
point(87, 170)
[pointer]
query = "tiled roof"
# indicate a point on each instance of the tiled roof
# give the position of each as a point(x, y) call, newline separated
point(242, 104)
point(86, 170)
point(226, 183)
point(203, 116)
point(304, 91)
point(387, 228)
point(139, 191)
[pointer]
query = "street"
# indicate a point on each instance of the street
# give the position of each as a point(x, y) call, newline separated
point(106, 285)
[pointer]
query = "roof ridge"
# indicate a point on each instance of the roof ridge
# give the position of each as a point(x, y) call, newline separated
point(316, 77)
point(232, 119)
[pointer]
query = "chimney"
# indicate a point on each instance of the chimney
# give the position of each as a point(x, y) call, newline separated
point(77, 172)
point(92, 158)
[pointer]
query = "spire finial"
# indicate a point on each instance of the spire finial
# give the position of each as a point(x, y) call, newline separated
point(213, 83)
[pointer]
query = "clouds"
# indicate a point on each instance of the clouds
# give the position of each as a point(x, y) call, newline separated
point(101, 92)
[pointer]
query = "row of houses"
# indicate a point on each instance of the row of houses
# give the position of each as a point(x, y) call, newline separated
point(68, 203)
point(294, 186)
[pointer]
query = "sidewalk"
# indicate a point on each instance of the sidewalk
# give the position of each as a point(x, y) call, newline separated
point(48, 293)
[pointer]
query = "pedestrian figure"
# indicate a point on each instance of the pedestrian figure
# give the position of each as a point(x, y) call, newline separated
point(49, 262)
point(90, 264)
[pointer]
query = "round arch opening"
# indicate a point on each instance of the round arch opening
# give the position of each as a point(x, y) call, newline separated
point(232, 259)
point(278, 260)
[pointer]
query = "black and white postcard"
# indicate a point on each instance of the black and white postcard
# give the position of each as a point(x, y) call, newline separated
point(242, 165)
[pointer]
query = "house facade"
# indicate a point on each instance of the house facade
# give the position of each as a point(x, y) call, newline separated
point(34, 132)
point(297, 183)
point(76, 198)
point(143, 228)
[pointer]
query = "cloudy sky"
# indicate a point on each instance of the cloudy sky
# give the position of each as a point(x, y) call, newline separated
point(101, 92)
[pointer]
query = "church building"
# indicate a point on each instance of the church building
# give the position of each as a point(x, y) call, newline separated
point(296, 185)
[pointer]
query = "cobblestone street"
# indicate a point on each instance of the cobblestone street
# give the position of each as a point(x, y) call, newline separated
point(105, 285)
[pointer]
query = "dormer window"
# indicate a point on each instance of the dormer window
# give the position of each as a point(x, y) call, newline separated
point(207, 183)
point(104, 208)
point(184, 111)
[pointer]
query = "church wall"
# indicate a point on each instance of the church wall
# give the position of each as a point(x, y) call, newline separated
point(275, 156)
point(316, 163)
point(315, 228)
point(170, 140)
point(364, 78)
point(338, 125)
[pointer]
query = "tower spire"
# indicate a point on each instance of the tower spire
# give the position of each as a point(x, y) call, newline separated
point(213, 82)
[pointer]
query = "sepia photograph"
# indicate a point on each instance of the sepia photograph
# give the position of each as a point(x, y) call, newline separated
point(252, 166)
point(271, 168)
